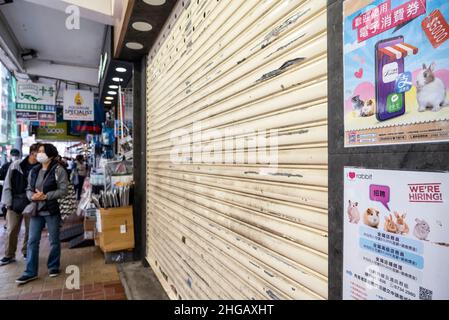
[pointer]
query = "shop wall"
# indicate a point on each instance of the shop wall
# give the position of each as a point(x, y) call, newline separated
point(421, 157)
point(218, 229)
point(139, 158)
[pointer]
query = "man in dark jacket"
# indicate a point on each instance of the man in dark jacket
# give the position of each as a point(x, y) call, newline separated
point(15, 155)
point(15, 199)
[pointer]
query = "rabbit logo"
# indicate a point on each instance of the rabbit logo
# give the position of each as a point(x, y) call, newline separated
point(431, 91)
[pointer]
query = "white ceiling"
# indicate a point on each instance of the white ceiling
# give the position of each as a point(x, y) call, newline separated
point(71, 55)
point(43, 29)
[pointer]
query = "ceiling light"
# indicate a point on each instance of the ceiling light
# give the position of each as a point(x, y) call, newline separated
point(116, 79)
point(107, 102)
point(113, 86)
point(134, 45)
point(109, 98)
point(112, 93)
point(142, 26)
point(154, 2)
point(120, 69)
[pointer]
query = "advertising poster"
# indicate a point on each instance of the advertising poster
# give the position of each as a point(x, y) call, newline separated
point(396, 71)
point(36, 93)
point(58, 132)
point(26, 112)
point(396, 235)
point(79, 105)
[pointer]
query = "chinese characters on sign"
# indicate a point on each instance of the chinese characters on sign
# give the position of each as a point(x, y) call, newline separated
point(382, 18)
point(396, 72)
point(26, 112)
point(396, 239)
point(36, 93)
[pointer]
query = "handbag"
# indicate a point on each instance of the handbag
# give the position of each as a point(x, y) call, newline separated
point(30, 210)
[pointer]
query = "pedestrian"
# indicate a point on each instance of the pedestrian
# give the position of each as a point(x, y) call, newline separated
point(15, 155)
point(15, 200)
point(47, 183)
point(80, 170)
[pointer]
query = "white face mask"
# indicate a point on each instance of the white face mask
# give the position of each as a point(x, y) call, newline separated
point(14, 158)
point(42, 158)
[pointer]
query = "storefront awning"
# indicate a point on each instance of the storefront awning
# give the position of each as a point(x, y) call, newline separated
point(400, 50)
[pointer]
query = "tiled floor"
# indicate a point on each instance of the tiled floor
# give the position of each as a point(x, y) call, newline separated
point(98, 281)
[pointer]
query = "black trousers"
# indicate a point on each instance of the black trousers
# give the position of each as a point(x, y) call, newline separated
point(79, 187)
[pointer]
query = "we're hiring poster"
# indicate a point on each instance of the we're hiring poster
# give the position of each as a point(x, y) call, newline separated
point(396, 235)
point(396, 71)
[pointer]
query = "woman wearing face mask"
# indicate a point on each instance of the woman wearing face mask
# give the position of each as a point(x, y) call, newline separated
point(47, 183)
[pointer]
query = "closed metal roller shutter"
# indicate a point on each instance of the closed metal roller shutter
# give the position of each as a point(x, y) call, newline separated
point(231, 229)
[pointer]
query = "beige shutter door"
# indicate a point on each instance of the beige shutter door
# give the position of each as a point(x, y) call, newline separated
point(227, 228)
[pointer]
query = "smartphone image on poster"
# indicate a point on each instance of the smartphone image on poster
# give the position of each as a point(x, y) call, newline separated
point(390, 104)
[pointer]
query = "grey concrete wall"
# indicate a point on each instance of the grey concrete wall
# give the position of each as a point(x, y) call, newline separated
point(421, 157)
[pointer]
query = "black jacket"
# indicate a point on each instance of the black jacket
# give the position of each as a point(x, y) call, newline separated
point(15, 185)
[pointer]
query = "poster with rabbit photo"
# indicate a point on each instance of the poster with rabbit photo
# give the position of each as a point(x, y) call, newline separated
point(396, 235)
point(396, 71)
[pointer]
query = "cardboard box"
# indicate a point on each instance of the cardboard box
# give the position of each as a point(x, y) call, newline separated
point(117, 229)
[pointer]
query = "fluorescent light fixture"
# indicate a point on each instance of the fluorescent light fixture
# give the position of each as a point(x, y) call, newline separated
point(134, 45)
point(120, 69)
point(109, 98)
point(107, 102)
point(155, 2)
point(117, 79)
point(112, 93)
point(113, 86)
point(142, 26)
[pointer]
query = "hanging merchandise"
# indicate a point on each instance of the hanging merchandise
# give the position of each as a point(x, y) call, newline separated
point(118, 174)
point(108, 137)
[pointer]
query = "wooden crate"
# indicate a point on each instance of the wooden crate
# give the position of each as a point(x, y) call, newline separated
point(117, 229)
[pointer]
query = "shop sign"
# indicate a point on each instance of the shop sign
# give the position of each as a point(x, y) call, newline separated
point(26, 116)
point(58, 132)
point(36, 93)
point(396, 235)
point(396, 72)
point(26, 112)
point(78, 105)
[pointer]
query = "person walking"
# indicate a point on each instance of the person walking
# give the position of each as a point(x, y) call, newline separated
point(15, 200)
point(80, 169)
point(47, 183)
point(15, 155)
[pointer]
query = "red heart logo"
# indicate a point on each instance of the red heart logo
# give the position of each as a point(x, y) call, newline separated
point(359, 74)
point(351, 175)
